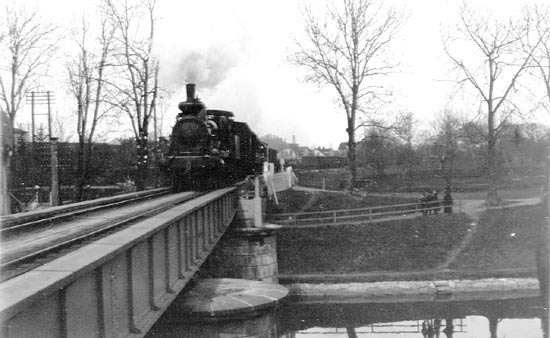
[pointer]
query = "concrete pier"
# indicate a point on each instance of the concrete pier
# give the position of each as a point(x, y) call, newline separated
point(223, 298)
point(248, 253)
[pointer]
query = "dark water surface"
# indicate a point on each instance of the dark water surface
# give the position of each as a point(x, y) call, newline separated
point(504, 317)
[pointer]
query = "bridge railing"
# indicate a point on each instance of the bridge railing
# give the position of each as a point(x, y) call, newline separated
point(119, 285)
point(360, 215)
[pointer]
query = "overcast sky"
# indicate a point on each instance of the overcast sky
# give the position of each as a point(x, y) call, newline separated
point(238, 50)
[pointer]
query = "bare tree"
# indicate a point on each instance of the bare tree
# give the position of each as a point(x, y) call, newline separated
point(87, 69)
point(539, 40)
point(61, 127)
point(137, 89)
point(26, 45)
point(487, 54)
point(348, 50)
point(446, 143)
point(405, 128)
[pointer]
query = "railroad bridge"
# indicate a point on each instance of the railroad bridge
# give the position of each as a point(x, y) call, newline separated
point(120, 284)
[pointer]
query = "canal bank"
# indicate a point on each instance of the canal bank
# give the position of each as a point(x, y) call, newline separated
point(486, 251)
point(431, 289)
point(501, 244)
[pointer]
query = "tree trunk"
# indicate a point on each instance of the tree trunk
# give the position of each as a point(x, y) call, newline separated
point(351, 332)
point(7, 176)
point(493, 326)
point(543, 252)
point(451, 172)
point(352, 163)
point(5, 169)
point(492, 196)
point(142, 165)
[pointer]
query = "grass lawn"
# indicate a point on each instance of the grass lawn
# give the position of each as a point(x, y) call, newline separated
point(505, 239)
point(421, 243)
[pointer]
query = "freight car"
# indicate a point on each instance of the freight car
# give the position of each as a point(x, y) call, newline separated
point(209, 149)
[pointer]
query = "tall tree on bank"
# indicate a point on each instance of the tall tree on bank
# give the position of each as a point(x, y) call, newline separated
point(137, 88)
point(87, 71)
point(539, 40)
point(488, 56)
point(347, 49)
point(26, 45)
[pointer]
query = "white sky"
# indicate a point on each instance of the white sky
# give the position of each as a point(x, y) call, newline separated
point(246, 43)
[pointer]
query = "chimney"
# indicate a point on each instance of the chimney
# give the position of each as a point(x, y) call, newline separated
point(190, 87)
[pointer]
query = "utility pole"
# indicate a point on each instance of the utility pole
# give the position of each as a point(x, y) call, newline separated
point(46, 97)
point(40, 98)
point(33, 135)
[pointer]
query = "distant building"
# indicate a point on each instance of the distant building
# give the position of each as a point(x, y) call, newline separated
point(318, 153)
point(21, 135)
point(295, 153)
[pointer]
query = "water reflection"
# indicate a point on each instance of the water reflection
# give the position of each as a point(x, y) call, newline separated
point(515, 317)
point(512, 317)
point(264, 325)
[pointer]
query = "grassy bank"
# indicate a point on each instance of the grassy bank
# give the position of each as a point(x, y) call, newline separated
point(418, 244)
point(505, 239)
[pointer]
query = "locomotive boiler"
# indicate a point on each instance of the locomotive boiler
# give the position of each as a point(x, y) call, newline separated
point(209, 149)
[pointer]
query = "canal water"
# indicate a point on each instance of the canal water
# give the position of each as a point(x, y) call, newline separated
point(504, 316)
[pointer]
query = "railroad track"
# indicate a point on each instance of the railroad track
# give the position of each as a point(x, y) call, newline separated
point(21, 221)
point(31, 240)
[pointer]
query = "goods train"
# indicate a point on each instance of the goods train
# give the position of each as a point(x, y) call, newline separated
point(209, 149)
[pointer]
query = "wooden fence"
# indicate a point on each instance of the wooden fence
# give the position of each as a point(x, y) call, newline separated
point(351, 216)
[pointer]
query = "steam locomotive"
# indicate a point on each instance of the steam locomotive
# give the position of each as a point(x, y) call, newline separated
point(209, 149)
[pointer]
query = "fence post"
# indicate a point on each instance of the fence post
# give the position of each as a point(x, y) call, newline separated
point(334, 214)
point(370, 214)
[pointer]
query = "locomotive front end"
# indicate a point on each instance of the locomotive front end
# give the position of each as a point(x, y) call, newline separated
point(191, 159)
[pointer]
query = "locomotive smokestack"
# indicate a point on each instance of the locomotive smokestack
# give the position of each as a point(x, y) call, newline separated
point(190, 87)
point(193, 106)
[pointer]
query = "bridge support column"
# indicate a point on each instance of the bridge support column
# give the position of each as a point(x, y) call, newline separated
point(248, 250)
point(246, 253)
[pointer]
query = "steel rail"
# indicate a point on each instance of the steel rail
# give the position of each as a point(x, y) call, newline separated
point(18, 262)
point(11, 225)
